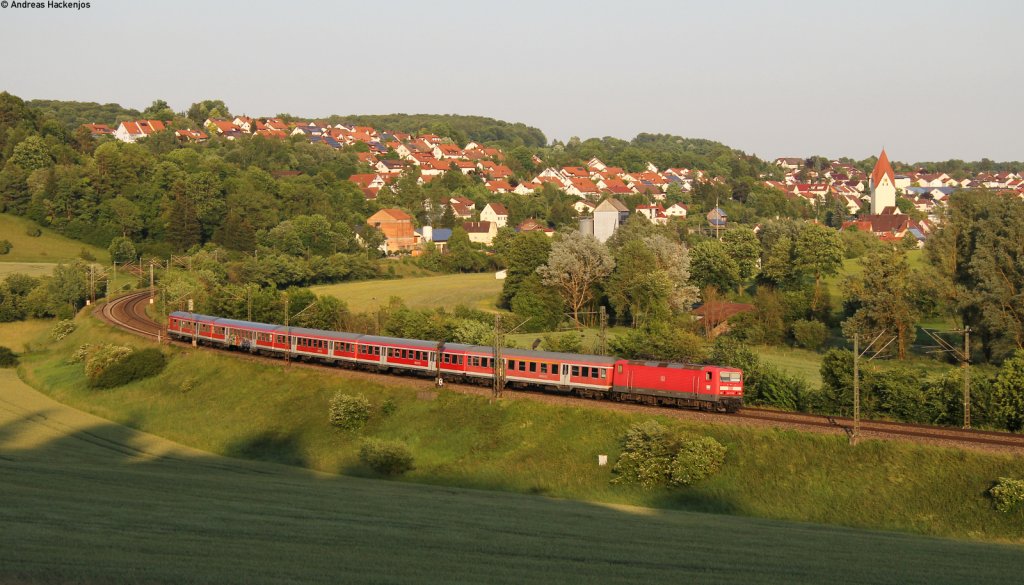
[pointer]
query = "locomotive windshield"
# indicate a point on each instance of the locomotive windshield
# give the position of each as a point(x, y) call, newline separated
point(730, 376)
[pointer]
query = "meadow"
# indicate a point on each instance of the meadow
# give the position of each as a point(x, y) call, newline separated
point(479, 291)
point(89, 501)
point(50, 247)
point(225, 404)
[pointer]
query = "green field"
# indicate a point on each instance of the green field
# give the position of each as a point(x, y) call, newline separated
point(49, 247)
point(89, 501)
point(799, 362)
point(479, 291)
point(19, 335)
point(220, 403)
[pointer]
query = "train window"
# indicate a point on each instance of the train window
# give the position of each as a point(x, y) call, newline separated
point(533, 366)
point(543, 368)
point(604, 373)
point(565, 369)
point(575, 370)
point(618, 369)
point(593, 372)
point(376, 350)
point(445, 358)
point(511, 364)
point(708, 376)
point(460, 359)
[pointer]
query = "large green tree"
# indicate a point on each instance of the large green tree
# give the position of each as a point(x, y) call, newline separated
point(884, 299)
point(576, 264)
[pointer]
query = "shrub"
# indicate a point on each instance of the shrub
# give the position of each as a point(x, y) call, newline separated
point(646, 456)
point(386, 457)
point(86, 255)
point(80, 355)
point(8, 359)
point(388, 407)
point(1008, 494)
point(349, 412)
point(136, 365)
point(697, 459)
point(652, 455)
point(33, 232)
point(103, 357)
point(62, 329)
point(567, 342)
point(5, 246)
point(810, 334)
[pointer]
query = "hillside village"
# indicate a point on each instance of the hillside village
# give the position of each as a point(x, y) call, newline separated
point(870, 200)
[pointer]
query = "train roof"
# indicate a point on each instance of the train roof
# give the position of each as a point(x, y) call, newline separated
point(193, 316)
point(561, 356)
point(251, 324)
point(397, 341)
point(676, 365)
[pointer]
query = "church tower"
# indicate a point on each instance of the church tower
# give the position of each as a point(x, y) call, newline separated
point(883, 185)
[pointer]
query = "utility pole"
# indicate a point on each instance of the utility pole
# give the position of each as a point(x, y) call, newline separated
point(288, 333)
point(603, 335)
point(856, 389)
point(499, 366)
point(966, 365)
point(195, 326)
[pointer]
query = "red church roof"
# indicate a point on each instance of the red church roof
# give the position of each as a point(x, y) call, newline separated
point(882, 168)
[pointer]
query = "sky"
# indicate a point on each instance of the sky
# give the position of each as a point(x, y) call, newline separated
point(928, 80)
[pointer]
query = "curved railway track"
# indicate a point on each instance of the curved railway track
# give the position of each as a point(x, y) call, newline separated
point(129, 313)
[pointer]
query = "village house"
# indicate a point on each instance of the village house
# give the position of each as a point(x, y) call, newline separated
point(99, 130)
point(132, 131)
point(396, 225)
point(676, 210)
point(481, 232)
point(495, 213)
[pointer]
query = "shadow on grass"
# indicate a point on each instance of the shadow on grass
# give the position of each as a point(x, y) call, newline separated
point(276, 446)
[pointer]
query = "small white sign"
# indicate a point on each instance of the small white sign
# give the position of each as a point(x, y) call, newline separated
point(602, 460)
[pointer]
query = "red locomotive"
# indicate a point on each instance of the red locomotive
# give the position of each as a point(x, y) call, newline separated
point(591, 376)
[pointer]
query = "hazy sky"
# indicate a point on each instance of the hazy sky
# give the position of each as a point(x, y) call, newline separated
point(928, 80)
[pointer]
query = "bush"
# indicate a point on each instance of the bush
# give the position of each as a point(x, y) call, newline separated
point(388, 407)
point(33, 232)
point(646, 455)
point(699, 458)
point(86, 255)
point(567, 342)
point(652, 455)
point(386, 457)
point(810, 334)
point(137, 365)
point(80, 355)
point(62, 329)
point(349, 412)
point(5, 246)
point(1008, 494)
point(103, 357)
point(8, 359)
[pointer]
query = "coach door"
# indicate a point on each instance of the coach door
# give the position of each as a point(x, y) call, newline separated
point(564, 379)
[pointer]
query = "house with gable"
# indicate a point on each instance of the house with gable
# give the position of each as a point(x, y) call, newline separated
point(676, 210)
point(495, 213)
point(396, 225)
point(481, 232)
point(608, 216)
point(654, 213)
point(132, 131)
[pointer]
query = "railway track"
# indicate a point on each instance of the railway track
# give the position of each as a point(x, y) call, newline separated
point(129, 312)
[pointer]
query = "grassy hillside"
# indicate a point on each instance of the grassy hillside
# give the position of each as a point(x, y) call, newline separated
point(19, 335)
point(223, 404)
point(89, 501)
point(474, 290)
point(49, 247)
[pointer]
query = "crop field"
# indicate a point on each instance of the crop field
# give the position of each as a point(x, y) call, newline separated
point(479, 291)
point(90, 501)
point(49, 247)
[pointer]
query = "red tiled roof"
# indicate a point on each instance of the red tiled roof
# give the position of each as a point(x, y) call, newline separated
point(882, 168)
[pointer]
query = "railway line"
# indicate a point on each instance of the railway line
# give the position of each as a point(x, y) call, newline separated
point(129, 313)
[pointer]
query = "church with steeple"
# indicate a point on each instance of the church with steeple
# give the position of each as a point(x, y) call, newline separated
point(883, 186)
